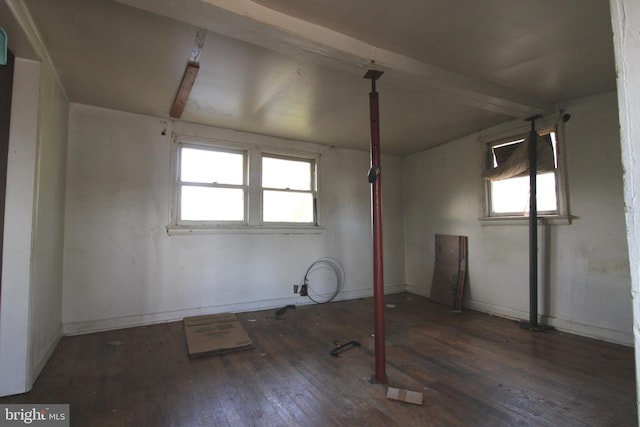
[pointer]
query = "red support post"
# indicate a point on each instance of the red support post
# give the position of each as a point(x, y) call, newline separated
point(380, 375)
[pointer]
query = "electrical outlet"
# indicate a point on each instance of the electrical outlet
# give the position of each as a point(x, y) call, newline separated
point(295, 289)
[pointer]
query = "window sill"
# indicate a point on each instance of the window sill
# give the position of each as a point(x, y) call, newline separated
point(179, 230)
point(524, 220)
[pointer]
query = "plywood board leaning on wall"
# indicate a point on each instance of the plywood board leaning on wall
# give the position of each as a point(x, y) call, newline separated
point(450, 272)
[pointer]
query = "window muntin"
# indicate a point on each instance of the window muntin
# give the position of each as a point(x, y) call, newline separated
point(288, 190)
point(218, 187)
point(211, 185)
point(509, 197)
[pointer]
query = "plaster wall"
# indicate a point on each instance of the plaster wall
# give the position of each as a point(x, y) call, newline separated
point(45, 313)
point(584, 277)
point(31, 304)
point(16, 259)
point(122, 268)
point(625, 16)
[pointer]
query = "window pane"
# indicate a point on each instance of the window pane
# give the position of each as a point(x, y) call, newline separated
point(207, 166)
point(286, 206)
point(286, 174)
point(512, 195)
point(212, 204)
point(546, 192)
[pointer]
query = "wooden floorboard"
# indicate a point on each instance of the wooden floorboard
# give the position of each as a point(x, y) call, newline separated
point(473, 370)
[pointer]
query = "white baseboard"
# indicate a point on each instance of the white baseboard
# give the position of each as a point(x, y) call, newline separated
point(577, 328)
point(604, 334)
point(367, 293)
point(417, 290)
point(38, 366)
point(99, 325)
point(506, 312)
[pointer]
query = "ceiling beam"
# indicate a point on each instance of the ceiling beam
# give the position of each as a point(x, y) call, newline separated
point(189, 78)
point(253, 23)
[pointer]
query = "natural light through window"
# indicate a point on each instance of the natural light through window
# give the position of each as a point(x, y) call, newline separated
point(288, 190)
point(207, 166)
point(211, 185)
point(222, 186)
point(512, 195)
point(507, 176)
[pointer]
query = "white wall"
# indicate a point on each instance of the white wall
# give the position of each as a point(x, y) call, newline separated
point(122, 269)
point(586, 290)
point(625, 16)
point(30, 322)
point(45, 314)
point(19, 204)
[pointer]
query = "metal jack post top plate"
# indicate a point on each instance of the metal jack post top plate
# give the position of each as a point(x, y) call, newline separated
point(373, 74)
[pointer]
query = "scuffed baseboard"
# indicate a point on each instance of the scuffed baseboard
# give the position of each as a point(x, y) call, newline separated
point(576, 328)
point(99, 325)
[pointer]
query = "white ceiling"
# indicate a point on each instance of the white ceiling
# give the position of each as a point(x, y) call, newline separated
point(295, 69)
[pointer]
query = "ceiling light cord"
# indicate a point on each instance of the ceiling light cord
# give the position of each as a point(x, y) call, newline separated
point(201, 35)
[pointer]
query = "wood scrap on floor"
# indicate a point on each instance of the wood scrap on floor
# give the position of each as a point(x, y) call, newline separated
point(408, 396)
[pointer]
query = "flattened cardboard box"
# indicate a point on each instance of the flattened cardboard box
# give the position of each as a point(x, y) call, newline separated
point(215, 334)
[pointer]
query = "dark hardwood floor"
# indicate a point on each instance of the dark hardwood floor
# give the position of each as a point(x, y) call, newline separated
point(473, 369)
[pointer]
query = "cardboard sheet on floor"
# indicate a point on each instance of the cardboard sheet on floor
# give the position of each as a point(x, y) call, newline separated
point(215, 334)
point(450, 271)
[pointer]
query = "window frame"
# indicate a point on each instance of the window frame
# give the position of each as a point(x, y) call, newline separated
point(179, 183)
point(252, 176)
point(512, 132)
point(313, 185)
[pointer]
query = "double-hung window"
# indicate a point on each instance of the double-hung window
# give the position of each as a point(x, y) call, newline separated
point(288, 190)
point(506, 173)
point(236, 186)
point(212, 185)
